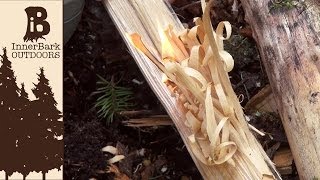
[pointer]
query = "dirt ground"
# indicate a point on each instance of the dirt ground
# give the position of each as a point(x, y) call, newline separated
point(96, 48)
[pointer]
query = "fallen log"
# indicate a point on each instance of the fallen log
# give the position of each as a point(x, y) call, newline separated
point(288, 36)
point(147, 18)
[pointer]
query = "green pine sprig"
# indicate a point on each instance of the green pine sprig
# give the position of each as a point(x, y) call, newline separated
point(111, 99)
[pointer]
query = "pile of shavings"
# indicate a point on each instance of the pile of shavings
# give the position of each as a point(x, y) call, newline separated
point(195, 67)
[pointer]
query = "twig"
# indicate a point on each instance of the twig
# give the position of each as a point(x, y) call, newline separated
point(136, 113)
point(245, 87)
point(149, 121)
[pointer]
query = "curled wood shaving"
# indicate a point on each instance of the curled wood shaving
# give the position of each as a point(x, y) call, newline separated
point(115, 159)
point(114, 151)
point(196, 69)
point(110, 149)
point(189, 61)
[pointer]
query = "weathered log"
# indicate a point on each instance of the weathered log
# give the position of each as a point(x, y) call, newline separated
point(288, 37)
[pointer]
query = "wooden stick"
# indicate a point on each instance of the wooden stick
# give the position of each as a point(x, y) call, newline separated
point(149, 121)
point(147, 18)
point(288, 37)
point(134, 113)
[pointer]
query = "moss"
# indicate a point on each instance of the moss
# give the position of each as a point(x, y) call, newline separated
point(282, 5)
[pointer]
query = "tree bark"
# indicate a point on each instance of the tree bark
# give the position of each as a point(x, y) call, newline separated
point(7, 176)
point(288, 37)
point(43, 176)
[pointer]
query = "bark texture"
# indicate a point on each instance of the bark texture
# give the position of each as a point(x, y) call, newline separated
point(288, 37)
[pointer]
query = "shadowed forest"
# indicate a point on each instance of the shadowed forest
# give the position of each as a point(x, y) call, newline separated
point(30, 130)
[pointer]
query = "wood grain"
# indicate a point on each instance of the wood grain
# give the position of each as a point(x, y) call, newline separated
point(289, 44)
point(147, 17)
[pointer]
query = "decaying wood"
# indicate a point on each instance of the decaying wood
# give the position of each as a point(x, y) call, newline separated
point(283, 160)
point(147, 18)
point(263, 101)
point(289, 44)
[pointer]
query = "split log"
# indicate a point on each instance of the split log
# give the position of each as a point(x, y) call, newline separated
point(288, 37)
point(147, 18)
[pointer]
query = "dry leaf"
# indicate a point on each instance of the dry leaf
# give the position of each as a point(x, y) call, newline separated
point(118, 175)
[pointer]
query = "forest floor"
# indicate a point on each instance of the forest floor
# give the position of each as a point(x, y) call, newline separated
point(95, 49)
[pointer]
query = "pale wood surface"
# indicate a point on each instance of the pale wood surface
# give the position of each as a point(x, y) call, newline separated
point(289, 44)
point(146, 17)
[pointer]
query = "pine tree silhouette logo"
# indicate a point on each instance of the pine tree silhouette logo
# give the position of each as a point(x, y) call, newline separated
point(29, 130)
point(36, 18)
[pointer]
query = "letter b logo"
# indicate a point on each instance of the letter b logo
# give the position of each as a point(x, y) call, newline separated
point(37, 24)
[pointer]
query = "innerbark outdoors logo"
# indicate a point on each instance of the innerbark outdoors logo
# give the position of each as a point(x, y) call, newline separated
point(36, 18)
point(31, 92)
